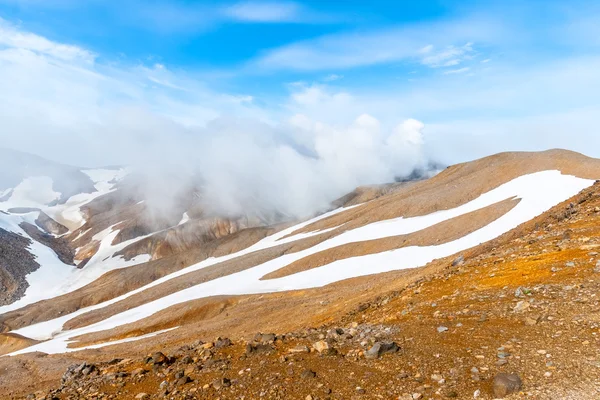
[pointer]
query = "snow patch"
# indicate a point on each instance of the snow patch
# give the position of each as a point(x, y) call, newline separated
point(184, 219)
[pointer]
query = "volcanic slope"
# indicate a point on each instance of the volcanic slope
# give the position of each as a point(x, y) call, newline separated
point(315, 272)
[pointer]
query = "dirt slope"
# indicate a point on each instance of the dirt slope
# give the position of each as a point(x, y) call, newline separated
point(525, 303)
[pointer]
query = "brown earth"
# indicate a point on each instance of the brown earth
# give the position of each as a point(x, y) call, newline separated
point(547, 264)
point(450, 188)
point(458, 185)
point(550, 262)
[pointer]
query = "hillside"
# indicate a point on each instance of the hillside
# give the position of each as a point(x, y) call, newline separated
point(485, 268)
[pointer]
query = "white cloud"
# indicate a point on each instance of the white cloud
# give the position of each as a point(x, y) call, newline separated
point(11, 37)
point(263, 11)
point(333, 77)
point(448, 56)
point(457, 71)
point(89, 113)
point(406, 43)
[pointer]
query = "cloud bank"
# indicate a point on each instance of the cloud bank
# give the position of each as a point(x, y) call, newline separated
point(60, 102)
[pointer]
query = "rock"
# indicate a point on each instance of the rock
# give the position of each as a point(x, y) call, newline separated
point(158, 358)
point(138, 371)
point(259, 348)
point(221, 383)
point(306, 374)
point(521, 306)
point(381, 348)
point(460, 260)
point(417, 396)
point(321, 346)
point(265, 338)
point(441, 329)
point(183, 380)
point(142, 396)
point(299, 349)
point(505, 384)
point(570, 264)
point(530, 321)
point(220, 343)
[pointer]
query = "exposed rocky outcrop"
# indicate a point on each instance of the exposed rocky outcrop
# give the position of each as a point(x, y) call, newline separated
point(15, 263)
point(49, 225)
point(191, 235)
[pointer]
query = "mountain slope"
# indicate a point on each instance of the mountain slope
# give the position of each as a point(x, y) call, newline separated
point(209, 275)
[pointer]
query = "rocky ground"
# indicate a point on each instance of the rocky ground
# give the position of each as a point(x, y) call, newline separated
point(15, 263)
point(518, 318)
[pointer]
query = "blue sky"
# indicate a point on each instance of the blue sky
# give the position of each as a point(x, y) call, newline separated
point(482, 77)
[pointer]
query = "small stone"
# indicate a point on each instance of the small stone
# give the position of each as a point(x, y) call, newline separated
point(417, 396)
point(307, 374)
point(321, 346)
point(381, 348)
point(221, 383)
point(138, 371)
point(441, 329)
point(530, 321)
point(220, 343)
point(521, 306)
point(183, 380)
point(159, 358)
point(299, 349)
point(460, 260)
point(265, 338)
point(142, 396)
point(505, 384)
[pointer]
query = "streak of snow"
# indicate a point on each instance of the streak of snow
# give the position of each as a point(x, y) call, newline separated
point(61, 347)
point(185, 218)
point(538, 193)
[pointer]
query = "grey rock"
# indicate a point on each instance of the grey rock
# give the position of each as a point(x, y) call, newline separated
point(381, 348)
point(505, 384)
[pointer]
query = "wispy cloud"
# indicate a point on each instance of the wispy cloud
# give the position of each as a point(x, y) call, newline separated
point(446, 57)
point(457, 71)
point(264, 12)
point(406, 43)
point(13, 38)
point(332, 77)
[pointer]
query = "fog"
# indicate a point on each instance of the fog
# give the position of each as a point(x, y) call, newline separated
point(246, 167)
